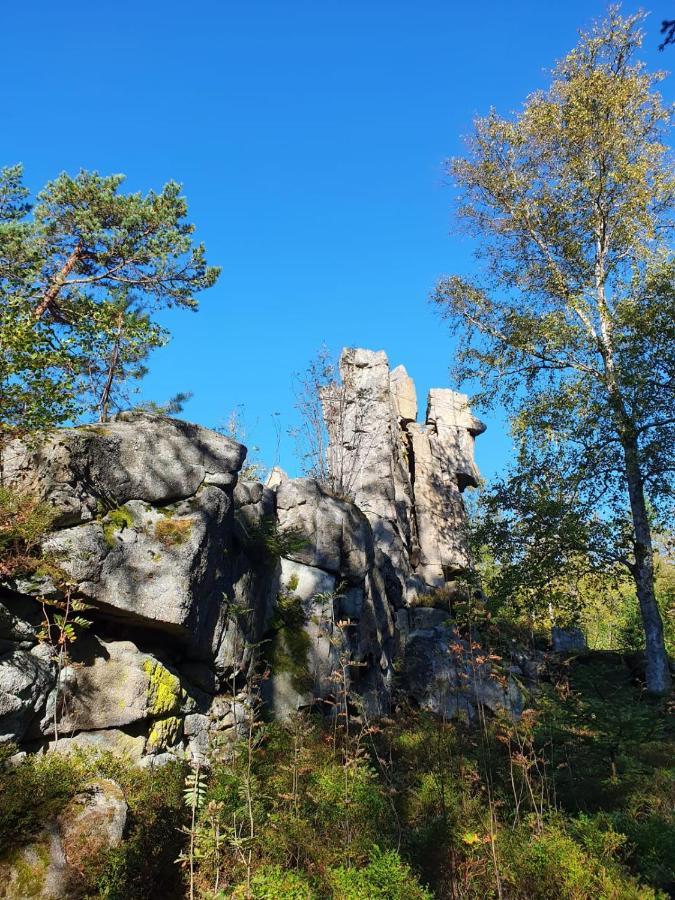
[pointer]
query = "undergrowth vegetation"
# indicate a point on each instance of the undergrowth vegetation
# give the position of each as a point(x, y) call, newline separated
point(575, 800)
point(24, 522)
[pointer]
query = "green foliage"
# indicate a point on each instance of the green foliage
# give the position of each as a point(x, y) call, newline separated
point(113, 350)
point(551, 863)
point(574, 800)
point(302, 792)
point(273, 882)
point(35, 791)
point(81, 270)
point(172, 407)
point(267, 543)
point(650, 837)
point(384, 878)
point(32, 792)
point(144, 864)
point(194, 792)
point(24, 522)
point(62, 624)
point(570, 322)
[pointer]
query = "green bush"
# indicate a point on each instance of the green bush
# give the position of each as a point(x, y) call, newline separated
point(35, 791)
point(144, 865)
point(24, 522)
point(651, 847)
point(275, 883)
point(551, 865)
point(387, 808)
point(385, 877)
point(266, 543)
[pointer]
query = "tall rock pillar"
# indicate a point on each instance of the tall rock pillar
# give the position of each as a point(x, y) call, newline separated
point(405, 476)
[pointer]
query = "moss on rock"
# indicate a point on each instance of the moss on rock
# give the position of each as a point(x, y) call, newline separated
point(24, 872)
point(116, 520)
point(290, 643)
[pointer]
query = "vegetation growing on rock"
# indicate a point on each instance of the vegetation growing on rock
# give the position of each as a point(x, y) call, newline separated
point(164, 689)
point(172, 532)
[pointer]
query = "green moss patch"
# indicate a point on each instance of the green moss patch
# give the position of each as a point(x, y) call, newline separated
point(115, 521)
point(289, 643)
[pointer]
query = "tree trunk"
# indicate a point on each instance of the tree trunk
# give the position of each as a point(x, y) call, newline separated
point(658, 667)
point(107, 389)
point(52, 292)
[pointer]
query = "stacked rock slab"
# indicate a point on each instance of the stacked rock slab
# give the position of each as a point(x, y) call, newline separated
point(145, 533)
point(366, 453)
point(444, 466)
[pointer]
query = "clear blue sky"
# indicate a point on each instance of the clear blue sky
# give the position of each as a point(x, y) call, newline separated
point(309, 138)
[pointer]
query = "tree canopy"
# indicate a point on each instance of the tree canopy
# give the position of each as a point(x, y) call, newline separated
point(81, 271)
point(571, 321)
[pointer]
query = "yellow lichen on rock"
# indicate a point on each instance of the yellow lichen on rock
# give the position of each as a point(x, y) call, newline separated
point(164, 689)
point(164, 733)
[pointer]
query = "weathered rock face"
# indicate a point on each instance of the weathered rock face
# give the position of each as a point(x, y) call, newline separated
point(336, 533)
point(405, 476)
point(334, 580)
point(135, 457)
point(568, 640)
point(197, 581)
point(444, 674)
point(368, 451)
point(162, 566)
point(27, 678)
point(146, 534)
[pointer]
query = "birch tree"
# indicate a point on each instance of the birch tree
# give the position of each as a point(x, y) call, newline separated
point(570, 321)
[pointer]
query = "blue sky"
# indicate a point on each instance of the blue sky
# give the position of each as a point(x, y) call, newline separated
point(309, 137)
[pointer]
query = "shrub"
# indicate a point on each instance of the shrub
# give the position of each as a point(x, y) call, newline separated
point(385, 877)
point(650, 834)
point(34, 791)
point(144, 865)
point(24, 522)
point(439, 598)
point(274, 883)
point(266, 543)
point(551, 864)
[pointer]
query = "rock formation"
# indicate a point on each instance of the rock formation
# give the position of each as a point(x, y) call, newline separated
point(405, 476)
point(199, 584)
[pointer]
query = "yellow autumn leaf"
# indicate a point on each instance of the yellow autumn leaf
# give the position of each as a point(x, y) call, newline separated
point(470, 838)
